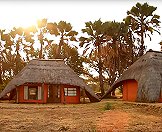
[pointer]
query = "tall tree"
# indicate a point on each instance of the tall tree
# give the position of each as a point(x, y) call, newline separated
point(29, 37)
point(114, 52)
point(64, 31)
point(1, 57)
point(143, 22)
point(42, 31)
point(92, 44)
point(13, 46)
point(7, 56)
point(17, 38)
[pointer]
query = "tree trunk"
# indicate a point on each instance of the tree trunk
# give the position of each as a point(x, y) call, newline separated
point(113, 92)
point(131, 46)
point(117, 63)
point(40, 52)
point(142, 38)
point(58, 54)
point(41, 49)
point(100, 65)
point(142, 45)
point(1, 76)
point(1, 82)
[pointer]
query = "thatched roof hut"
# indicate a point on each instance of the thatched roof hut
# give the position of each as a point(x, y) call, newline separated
point(147, 71)
point(49, 72)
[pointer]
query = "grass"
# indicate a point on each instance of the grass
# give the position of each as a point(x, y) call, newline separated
point(108, 106)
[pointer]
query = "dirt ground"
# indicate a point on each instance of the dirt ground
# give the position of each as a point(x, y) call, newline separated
point(120, 116)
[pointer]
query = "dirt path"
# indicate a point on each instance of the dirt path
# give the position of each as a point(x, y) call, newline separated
point(131, 117)
point(113, 121)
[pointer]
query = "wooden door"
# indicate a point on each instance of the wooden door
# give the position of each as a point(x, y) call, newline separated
point(53, 94)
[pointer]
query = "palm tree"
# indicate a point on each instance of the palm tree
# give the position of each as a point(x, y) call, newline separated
point(18, 43)
point(92, 45)
point(1, 58)
point(64, 31)
point(28, 48)
point(114, 52)
point(143, 22)
point(7, 58)
point(42, 30)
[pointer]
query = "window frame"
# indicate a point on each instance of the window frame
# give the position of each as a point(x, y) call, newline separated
point(70, 92)
point(38, 93)
point(35, 94)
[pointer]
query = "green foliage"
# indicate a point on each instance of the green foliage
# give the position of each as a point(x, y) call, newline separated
point(92, 45)
point(108, 106)
point(143, 22)
point(109, 48)
point(64, 32)
point(52, 28)
point(42, 23)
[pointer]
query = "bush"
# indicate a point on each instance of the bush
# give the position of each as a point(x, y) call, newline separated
point(107, 106)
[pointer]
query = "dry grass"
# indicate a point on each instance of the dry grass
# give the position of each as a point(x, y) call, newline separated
point(89, 117)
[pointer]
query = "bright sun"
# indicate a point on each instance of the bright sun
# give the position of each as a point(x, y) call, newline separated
point(24, 22)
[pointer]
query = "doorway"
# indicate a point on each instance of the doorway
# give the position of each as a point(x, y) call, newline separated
point(53, 94)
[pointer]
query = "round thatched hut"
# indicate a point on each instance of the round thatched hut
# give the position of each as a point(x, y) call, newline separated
point(142, 81)
point(48, 81)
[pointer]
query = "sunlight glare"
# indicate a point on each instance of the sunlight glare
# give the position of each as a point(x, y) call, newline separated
point(24, 22)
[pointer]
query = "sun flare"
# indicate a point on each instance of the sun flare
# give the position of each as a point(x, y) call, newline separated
point(24, 22)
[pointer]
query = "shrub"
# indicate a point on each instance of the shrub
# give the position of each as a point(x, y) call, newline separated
point(107, 106)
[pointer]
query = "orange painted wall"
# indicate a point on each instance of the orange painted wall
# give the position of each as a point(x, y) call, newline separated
point(64, 99)
point(45, 92)
point(160, 99)
point(130, 90)
point(20, 95)
point(70, 99)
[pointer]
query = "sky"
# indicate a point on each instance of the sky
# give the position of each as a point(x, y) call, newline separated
point(77, 12)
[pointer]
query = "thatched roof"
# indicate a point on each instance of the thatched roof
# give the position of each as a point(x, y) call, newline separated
point(50, 72)
point(147, 71)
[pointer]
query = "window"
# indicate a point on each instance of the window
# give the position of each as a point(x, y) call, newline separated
point(70, 91)
point(32, 92)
